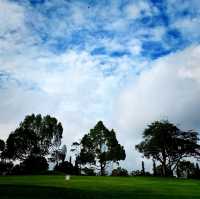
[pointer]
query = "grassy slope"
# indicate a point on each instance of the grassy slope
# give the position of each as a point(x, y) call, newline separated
point(55, 187)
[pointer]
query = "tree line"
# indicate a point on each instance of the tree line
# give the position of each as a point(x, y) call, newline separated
point(37, 142)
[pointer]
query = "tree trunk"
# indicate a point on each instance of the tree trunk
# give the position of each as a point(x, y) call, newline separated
point(164, 169)
point(102, 168)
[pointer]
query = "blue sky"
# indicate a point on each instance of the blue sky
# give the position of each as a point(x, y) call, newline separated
point(124, 62)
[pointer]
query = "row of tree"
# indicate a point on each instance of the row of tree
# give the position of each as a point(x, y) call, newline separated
point(37, 141)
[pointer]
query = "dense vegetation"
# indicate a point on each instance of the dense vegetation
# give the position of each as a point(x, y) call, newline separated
point(37, 141)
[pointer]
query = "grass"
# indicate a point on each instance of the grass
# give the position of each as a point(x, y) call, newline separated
point(55, 187)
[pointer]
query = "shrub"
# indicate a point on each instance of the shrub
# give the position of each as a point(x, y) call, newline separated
point(33, 165)
point(5, 167)
point(89, 171)
point(119, 172)
point(65, 167)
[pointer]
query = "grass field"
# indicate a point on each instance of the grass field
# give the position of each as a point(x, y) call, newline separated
point(55, 187)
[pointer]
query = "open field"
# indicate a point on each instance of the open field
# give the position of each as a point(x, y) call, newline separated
point(55, 187)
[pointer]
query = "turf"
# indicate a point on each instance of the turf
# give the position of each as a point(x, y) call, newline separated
point(55, 187)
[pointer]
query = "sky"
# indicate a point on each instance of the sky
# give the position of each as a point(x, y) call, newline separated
point(127, 63)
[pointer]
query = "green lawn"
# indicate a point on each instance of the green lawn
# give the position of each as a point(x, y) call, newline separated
point(55, 187)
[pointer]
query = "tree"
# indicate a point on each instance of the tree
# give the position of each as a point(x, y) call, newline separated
point(100, 146)
point(119, 172)
point(65, 167)
point(58, 155)
point(187, 168)
point(35, 136)
point(154, 168)
point(143, 169)
point(34, 165)
point(2, 147)
point(76, 149)
point(197, 171)
point(164, 142)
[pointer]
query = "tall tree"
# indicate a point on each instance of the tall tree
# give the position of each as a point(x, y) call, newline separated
point(166, 143)
point(2, 147)
point(59, 155)
point(76, 149)
point(35, 136)
point(143, 169)
point(100, 146)
point(154, 168)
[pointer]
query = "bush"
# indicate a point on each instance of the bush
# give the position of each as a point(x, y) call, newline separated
point(5, 167)
point(89, 171)
point(140, 173)
point(66, 167)
point(137, 173)
point(33, 165)
point(119, 172)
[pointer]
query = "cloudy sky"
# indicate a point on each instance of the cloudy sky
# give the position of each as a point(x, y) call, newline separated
point(127, 63)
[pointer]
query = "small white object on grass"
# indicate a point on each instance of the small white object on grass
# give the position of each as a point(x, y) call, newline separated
point(67, 177)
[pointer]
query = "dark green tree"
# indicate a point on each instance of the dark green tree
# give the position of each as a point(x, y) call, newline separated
point(34, 165)
point(143, 169)
point(35, 136)
point(100, 146)
point(119, 172)
point(2, 147)
point(75, 150)
point(197, 171)
point(154, 168)
point(58, 155)
point(186, 167)
point(167, 144)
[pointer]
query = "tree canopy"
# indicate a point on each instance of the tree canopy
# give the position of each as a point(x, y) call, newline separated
point(166, 143)
point(100, 146)
point(36, 135)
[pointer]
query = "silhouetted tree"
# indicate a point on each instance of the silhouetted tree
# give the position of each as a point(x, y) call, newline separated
point(36, 135)
point(2, 147)
point(164, 142)
point(119, 172)
point(154, 168)
point(34, 165)
point(5, 167)
point(66, 167)
point(197, 171)
point(100, 146)
point(76, 149)
point(59, 155)
point(143, 169)
point(186, 168)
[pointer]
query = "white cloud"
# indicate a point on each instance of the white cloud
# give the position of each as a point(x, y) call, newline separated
point(138, 8)
point(79, 88)
point(170, 89)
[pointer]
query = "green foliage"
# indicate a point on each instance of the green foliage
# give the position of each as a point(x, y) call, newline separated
point(66, 167)
point(186, 167)
point(119, 172)
point(164, 142)
point(58, 155)
point(34, 165)
point(154, 168)
point(143, 169)
point(89, 171)
point(100, 146)
point(36, 135)
point(2, 148)
point(2, 145)
point(5, 167)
